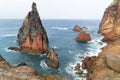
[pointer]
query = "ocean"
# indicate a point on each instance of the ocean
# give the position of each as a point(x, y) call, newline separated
point(61, 38)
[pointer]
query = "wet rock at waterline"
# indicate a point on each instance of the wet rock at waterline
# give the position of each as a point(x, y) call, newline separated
point(52, 59)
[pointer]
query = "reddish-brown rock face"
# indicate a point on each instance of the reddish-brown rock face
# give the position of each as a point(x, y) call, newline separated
point(37, 46)
point(77, 28)
point(83, 36)
point(110, 25)
point(32, 36)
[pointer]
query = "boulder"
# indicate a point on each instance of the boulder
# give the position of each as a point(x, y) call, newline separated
point(112, 62)
point(52, 59)
point(77, 67)
point(83, 36)
point(32, 36)
point(77, 28)
point(88, 62)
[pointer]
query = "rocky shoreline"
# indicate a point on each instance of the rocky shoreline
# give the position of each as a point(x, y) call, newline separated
point(106, 65)
point(22, 72)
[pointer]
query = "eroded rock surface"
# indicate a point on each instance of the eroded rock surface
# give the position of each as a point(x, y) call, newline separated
point(110, 24)
point(83, 36)
point(52, 59)
point(32, 36)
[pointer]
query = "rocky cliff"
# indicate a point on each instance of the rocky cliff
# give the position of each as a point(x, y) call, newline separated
point(110, 24)
point(106, 66)
point(32, 36)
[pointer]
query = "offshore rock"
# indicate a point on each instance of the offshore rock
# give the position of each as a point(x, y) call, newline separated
point(52, 59)
point(32, 36)
point(83, 36)
point(22, 72)
point(77, 28)
point(110, 24)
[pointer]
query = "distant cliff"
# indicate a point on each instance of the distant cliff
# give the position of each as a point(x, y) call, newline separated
point(32, 36)
point(110, 24)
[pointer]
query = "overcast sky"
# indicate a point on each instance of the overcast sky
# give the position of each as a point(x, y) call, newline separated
point(54, 9)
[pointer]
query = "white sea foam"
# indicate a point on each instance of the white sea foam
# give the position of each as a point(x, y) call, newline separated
point(60, 28)
point(7, 35)
point(8, 50)
point(43, 64)
point(54, 46)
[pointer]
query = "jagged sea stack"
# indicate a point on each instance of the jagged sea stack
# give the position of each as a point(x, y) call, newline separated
point(32, 36)
point(110, 24)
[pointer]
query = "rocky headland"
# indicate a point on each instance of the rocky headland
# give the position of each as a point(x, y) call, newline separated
point(110, 24)
point(22, 72)
point(32, 36)
point(106, 65)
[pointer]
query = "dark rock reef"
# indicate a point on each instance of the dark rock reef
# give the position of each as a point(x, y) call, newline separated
point(32, 36)
point(110, 24)
point(52, 59)
point(83, 36)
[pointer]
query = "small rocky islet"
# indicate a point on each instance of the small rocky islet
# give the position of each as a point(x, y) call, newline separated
point(33, 39)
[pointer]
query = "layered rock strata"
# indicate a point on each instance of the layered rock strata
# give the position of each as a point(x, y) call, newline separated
point(110, 24)
point(52, 59)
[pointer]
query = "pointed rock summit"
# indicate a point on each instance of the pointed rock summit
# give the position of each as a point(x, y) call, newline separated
point(110, 24)
point(32, 36)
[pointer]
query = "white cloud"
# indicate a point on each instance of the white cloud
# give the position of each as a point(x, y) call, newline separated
point(67, 9)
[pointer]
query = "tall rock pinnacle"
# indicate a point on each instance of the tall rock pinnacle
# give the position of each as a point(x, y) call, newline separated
point(32, 36)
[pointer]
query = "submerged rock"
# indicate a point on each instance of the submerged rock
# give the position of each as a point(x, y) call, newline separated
point(52, 59)
point(83, 36)
point(110, 24)
point(32, 36)
point(22, 64)
point(77, 28)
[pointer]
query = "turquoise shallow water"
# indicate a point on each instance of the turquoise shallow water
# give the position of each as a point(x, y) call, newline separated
point(61, 38)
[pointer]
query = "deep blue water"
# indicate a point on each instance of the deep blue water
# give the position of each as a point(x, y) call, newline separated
point(61, 37)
